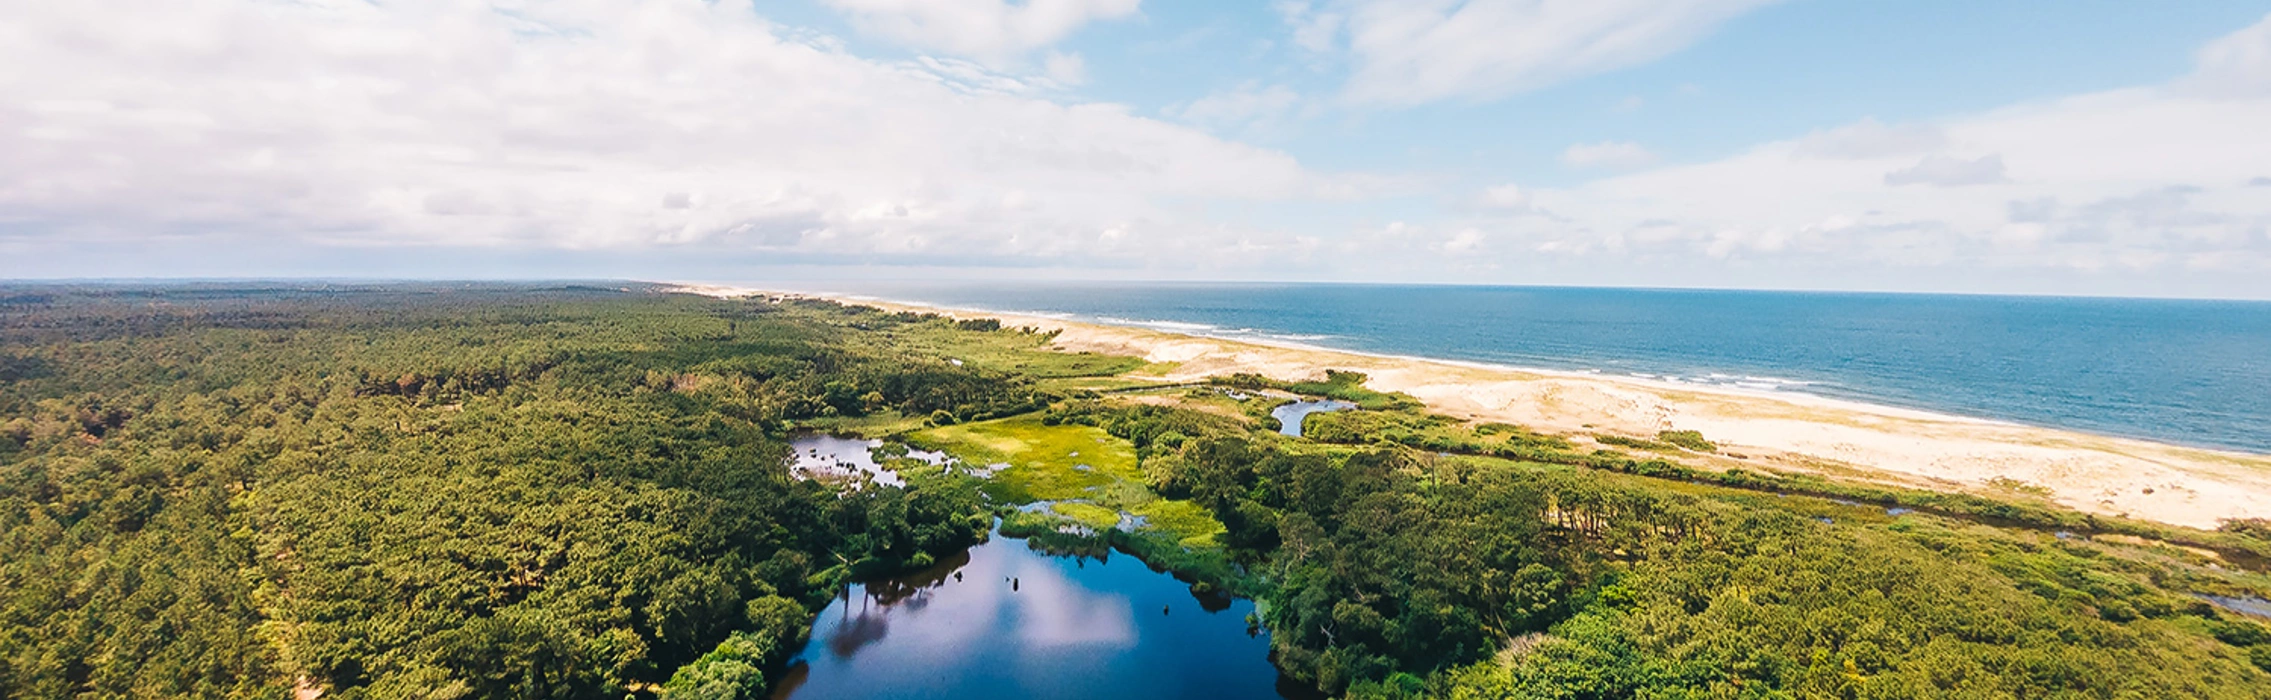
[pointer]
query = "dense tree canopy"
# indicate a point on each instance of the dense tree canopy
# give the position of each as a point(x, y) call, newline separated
point(436, 492)
point(1390, 572)
point(581, 492)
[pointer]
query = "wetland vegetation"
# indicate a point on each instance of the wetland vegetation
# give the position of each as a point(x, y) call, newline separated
point(586, 491)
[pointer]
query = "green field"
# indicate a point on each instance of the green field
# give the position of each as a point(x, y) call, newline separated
point(1088, 472)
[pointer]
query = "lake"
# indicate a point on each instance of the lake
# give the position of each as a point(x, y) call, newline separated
point(1004, 621)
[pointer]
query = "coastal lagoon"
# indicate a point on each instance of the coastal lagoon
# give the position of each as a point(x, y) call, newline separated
point(1003, 620)
point(2187, 372)
point(1290, 416)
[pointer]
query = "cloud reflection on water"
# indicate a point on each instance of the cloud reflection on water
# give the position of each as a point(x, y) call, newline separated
point(1019, 623)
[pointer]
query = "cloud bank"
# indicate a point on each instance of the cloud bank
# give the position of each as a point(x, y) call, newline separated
point(1407, 52)
point(575, 125)
point(989, 30)
point(2144, 178)
point(404, 135)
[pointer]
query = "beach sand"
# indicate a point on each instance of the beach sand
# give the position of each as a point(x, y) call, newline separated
point(1774, 430)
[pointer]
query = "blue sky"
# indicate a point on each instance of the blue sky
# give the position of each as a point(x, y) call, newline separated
point(2086, 147)
point(1781, 70)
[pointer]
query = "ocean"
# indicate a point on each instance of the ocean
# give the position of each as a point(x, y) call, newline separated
point(2188, 372)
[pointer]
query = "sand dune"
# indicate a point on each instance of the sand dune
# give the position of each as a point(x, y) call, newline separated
point(1778, 430)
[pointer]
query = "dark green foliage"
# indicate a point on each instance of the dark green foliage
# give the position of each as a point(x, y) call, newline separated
point(1666, 441)
point(2246, 540)
point(1774, 604)
point(1688, 439)
point(1396, 569)
point(2255, 528)
point(478, 491)
point(579, 492)
point(1363, 427)
point(1636, 443)
point(1147, 426)
point(735, 669)
point(1349, 386)
point(1438, 433)
point(1390, 573)
point(1337, 384)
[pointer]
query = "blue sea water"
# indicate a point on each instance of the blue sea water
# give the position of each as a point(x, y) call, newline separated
point(2183, 371)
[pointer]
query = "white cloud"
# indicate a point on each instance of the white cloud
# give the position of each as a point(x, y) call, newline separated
point(974, 77)
point(1066, 69)
point(578, 125)
point(1414, 51)
point(2236, 65)
point(1870, 139)
point(988, 30)
point(525, 126)
point(1614, 155)
point(2096, 183)
point(2137, 180)
point(1504, 197)
point(1946, 171)
point(1249, 104)
point(1465, 241)
point(1314, 29)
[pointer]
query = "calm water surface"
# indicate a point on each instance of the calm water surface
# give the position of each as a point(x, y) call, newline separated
point(1290, 416)
point(1020, 624)
point(824, 455)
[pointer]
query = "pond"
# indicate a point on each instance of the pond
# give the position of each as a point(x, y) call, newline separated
point(828, 457)
point(1004, 621)
point(1289, 416)
point(846, 460)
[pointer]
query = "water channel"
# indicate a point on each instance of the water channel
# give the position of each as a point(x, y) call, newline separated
point(1289, 416)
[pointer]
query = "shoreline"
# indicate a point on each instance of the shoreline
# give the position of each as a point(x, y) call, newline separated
point(1756, 428)
point(1267, 340)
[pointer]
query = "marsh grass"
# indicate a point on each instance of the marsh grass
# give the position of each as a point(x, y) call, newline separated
point(1190, 525)
point(1047, 462)
point(1017, 350)
point(1094, 516)
point(878, 424)
point(1070, 385)
point(1091, 474)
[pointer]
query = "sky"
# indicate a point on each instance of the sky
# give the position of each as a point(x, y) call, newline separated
point(2087, 147)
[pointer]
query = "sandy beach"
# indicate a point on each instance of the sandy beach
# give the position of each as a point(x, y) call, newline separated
point(1756, 429)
